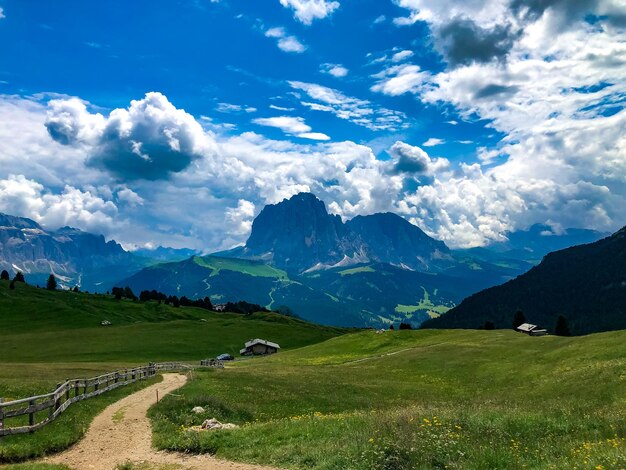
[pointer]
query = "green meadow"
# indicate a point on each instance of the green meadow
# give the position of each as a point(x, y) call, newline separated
point(415, 400)
point(47, 337)
point(331, 398)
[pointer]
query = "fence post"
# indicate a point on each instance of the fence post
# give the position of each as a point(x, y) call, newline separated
point(31, 415)
point(1, 413)
point(76, 388)
point(67, 389)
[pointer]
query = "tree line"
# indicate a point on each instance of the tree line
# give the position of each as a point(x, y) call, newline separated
point(119, 293)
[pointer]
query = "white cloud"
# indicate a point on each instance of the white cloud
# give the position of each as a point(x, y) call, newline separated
point(234, 108)
point(293, 126)
point(308, 10)
point(151, 139)
point(130, 197)
point(314, 136)
point(239, 219)
point(568, 169)
point(360, 112)
point(82, 209)
point(286, 42)
point(288, 124)
point(336, 70)
point(553, 86)
point(380, 19)
point(433, 141)
point(400, 79)
point(2, 15)
point(412, 159)
point(280, 108)
point(402, 55)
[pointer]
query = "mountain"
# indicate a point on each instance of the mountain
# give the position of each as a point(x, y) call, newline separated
point(369, 271)
point(298, 235)
point(586, 284)
point(376, 294)
point(165, 254)
point(539, 240)
point(74, 256)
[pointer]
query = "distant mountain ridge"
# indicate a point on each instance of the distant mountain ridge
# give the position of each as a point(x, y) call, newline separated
point(585, 283)
point(298, 234)
point(74, 256)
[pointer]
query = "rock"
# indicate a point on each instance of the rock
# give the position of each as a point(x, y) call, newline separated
point(213, 425)
point(197, 410)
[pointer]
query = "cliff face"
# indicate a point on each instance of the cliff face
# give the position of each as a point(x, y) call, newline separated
point(74, 256)
point(299, 234)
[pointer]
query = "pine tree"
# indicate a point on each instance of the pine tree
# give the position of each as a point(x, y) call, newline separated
point(561, 328)
point(52, 283)
point(518, 319)
point(4, 276)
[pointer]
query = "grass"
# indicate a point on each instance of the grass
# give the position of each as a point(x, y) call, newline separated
point(252, 268)
point(37, 325)
point(47, 337)
point(360, 269)
point(413, 400)
point(425, 304)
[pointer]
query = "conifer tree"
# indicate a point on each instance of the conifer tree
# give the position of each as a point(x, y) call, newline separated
point(561, 328)
point(52, 283)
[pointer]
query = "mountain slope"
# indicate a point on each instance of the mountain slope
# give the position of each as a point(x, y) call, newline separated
point(391, 239)
point(586, 284)
point(74, 256)
point(298, 234)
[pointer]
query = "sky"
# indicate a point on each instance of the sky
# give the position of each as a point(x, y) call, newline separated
point(174, 123)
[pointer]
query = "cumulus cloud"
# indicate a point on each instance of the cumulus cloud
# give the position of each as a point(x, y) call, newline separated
point(540, 73)
point(412, 159)
point(239, 219)
point(129, 196)
point(336, 70)
point(286, 42)
point(150, 140)
point(2, 13)
point(69, 121)
point(308, 10)
point(28, 198)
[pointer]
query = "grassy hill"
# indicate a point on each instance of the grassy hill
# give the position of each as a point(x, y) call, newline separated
point(585, 283)
point(415, 400)
point(37, 325)
point(46, 337)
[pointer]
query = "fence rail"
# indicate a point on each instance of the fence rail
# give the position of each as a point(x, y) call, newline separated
point(43, 409)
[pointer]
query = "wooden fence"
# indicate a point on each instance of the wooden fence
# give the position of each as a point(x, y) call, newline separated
point(43, 409)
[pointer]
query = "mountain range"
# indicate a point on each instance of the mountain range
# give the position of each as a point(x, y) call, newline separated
point(368, 271)
point(372, 270)
point(584, 283)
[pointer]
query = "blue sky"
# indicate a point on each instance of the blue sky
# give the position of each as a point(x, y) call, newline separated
point(141, 119)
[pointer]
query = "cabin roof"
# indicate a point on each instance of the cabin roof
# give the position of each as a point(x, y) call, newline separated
point(526, 327)
point(252, 342)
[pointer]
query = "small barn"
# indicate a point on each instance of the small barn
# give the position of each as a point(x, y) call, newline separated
point(259, 347)
point(531, 330)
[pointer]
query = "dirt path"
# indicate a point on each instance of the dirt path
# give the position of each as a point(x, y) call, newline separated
point(122, 433)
